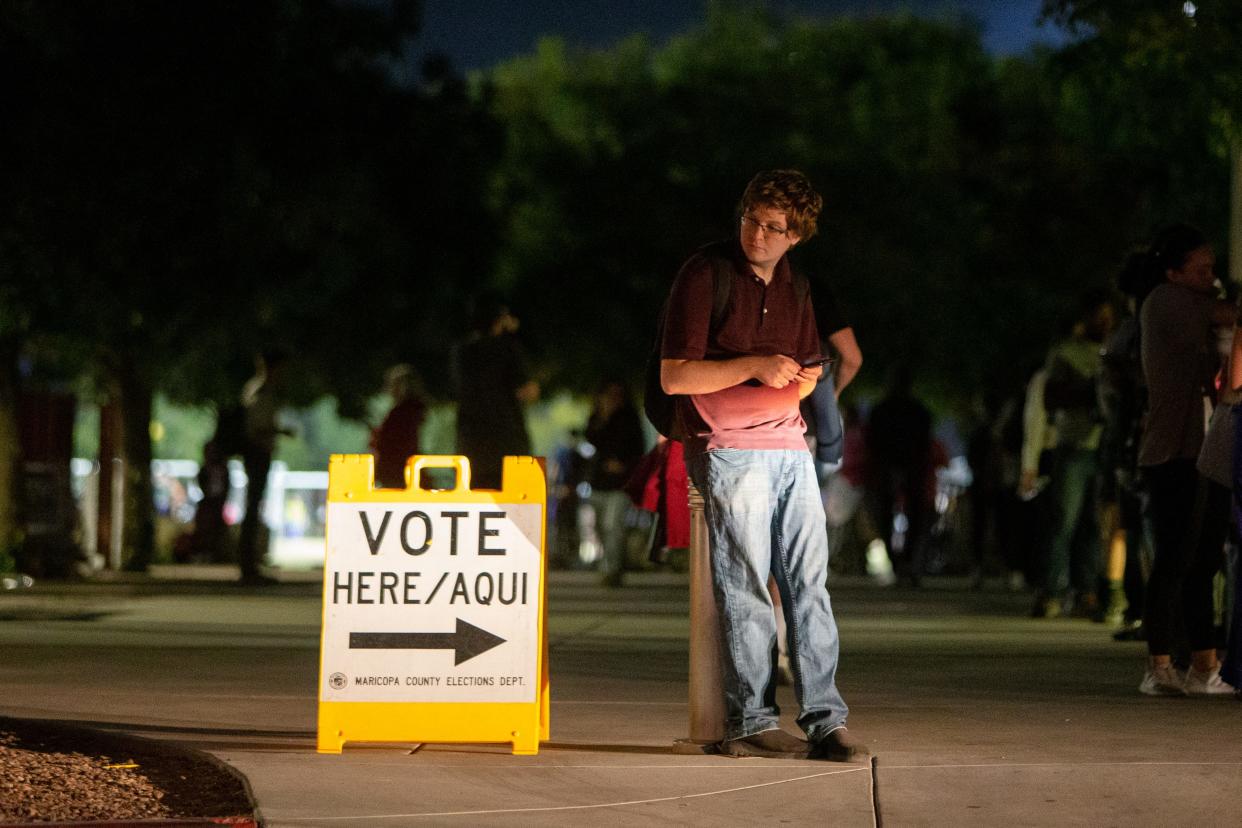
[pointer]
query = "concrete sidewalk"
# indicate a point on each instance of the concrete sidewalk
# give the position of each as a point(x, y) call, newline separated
point(977, 714)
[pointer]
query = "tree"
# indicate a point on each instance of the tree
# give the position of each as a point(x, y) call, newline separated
point(618, 162)
point(969, 198)
point(1173, 52)
point(205, 181)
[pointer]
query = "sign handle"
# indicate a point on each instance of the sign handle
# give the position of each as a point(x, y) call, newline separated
point(459, 462)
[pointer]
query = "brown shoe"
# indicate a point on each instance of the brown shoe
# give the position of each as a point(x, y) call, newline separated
point(770, 744)
point(838, 746)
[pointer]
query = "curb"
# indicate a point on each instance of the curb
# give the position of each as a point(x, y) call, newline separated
point(237, 822)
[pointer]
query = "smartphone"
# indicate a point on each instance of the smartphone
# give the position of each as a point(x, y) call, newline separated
point(815, 363)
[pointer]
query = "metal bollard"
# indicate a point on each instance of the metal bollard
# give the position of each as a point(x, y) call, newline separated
point(706, 693)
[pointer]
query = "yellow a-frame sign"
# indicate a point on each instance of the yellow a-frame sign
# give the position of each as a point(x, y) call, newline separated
point(433, 608)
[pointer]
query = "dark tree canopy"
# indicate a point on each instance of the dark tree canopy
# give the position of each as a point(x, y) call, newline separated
point(190, 183)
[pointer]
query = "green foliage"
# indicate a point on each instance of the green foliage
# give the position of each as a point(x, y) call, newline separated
point(180, 431)
point(551, 420)
point(1187, 48)
point(319, 432)
point(969, 199)
point(209, 184)
point(618, 163)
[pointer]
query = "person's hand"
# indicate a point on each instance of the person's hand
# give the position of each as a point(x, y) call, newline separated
point(1028, 485)
point(777, 370)
point(810, 374)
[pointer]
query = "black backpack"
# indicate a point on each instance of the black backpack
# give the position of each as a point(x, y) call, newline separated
point(661, 408)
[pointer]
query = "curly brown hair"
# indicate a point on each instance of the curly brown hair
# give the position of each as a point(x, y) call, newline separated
point(787, 190)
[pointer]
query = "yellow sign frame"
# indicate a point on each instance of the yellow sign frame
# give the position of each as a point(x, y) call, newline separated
point(351, 479)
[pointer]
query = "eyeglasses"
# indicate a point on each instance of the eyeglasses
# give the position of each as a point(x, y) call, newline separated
point(755, 226)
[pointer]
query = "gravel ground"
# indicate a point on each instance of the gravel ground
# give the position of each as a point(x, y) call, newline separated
point(51, 772)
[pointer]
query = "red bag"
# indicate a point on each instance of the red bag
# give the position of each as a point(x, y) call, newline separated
point(644, 483)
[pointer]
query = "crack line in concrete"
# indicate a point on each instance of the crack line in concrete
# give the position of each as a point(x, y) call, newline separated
point(634, 703)
point(1064, 765)
point(733, 765)
point(291, 820)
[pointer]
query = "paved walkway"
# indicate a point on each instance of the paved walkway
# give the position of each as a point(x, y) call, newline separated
point(976, 714)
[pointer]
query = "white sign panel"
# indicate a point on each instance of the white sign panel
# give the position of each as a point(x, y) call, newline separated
point(431, 602)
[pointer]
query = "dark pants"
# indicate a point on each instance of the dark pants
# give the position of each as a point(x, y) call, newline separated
point(1190, 517)
point(888, 487)
point(249, 555)
point(210, 530)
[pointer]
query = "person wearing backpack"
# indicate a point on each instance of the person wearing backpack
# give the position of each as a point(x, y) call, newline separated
point(738, 376)
point(1072, 559)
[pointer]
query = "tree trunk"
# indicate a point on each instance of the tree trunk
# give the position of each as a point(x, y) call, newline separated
point(135, 399)
point(1235, 215)
point(10, 454)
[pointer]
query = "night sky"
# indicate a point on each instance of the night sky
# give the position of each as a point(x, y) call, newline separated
point(477, 34)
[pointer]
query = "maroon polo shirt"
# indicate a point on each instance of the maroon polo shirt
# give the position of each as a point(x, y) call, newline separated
point(759, 320)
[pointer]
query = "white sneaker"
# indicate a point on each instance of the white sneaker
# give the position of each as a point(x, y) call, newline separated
point(1163, 681)
point(1207, 684)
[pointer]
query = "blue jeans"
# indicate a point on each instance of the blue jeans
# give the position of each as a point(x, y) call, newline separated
point(764, 516)
point(1074, 553)
point(610, 509)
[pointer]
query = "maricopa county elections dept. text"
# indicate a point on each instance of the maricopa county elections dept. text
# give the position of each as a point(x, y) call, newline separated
point(437, 537)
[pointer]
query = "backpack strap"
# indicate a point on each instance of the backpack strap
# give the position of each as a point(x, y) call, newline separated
point(717, 254)
point(802, 288)
point(722, 286)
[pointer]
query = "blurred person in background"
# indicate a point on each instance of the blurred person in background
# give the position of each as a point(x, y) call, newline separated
point(899, 464)
point(261, 397)
point(616, 435)
point(857, 545)
point(1039, 438)
point(209, 540)
point(1123, 402)
point(395, 440)
point(1231, 666)
point(1189, 512)
point(1072, 562)
point(993, 453)
point(1216, 470)
point(566, 471)
point(493, 387)
point(821, 410)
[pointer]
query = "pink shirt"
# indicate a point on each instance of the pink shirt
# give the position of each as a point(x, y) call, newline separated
point(746, 417)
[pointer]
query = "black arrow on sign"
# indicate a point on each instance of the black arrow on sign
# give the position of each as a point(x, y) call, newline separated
point(467, 642)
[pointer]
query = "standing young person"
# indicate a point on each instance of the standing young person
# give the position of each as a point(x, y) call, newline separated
point(740, 381)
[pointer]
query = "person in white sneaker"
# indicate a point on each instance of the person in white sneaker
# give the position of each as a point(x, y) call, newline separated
point(1207, 683)
point(1189, 512)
